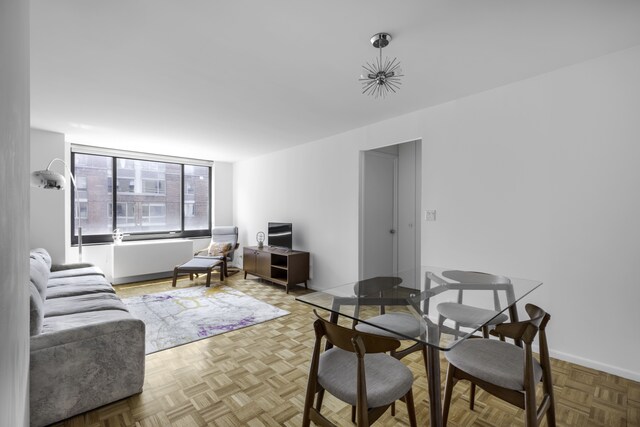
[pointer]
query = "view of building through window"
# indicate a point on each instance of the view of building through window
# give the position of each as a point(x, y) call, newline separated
point(148, 199)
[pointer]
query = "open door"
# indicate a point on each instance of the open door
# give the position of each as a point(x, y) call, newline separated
point(390, 204)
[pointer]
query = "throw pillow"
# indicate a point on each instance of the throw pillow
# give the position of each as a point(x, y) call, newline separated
point(219, 248)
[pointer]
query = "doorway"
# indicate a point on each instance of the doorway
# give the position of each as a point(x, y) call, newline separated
point(390, 203)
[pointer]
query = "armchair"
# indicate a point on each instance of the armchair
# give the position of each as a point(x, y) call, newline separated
point(224, 242)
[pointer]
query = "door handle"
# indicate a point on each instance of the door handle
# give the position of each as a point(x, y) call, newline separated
point(392, 231)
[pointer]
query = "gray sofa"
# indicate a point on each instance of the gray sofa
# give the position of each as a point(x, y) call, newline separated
point(86, 348)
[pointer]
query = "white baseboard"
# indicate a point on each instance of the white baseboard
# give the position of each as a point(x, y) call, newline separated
point(625, 373)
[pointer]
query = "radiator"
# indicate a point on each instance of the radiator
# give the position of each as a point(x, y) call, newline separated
point(133, 261)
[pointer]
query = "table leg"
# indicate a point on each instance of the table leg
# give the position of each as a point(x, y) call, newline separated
point(209, 277)
point(433, 380)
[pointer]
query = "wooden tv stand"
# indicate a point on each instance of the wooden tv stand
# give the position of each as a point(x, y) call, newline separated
point(285, 267)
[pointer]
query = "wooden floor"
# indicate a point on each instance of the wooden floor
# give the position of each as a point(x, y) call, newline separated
point(257, 377)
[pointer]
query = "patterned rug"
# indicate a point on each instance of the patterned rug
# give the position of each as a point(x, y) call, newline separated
point(184, 315)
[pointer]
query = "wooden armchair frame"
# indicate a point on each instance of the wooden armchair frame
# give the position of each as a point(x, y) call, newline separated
point(359, 343)
point(525, 331)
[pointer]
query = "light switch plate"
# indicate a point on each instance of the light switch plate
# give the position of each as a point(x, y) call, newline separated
point(430, 215)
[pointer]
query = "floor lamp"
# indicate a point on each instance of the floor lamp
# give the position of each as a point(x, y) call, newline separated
point(50, 180)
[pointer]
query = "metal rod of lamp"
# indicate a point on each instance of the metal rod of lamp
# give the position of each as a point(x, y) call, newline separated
point(50, 180)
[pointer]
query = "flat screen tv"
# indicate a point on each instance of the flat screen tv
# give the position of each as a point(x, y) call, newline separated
point(280, 235)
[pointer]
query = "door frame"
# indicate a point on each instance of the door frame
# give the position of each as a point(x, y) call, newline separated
point(363, 154)
point(418, 210)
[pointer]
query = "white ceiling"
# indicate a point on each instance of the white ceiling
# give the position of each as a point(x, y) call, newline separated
point(228, 80)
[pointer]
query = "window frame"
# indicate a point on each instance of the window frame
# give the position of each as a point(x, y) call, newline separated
point(137, 236)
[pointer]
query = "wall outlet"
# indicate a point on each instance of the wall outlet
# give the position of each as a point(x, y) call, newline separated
point(430, 215)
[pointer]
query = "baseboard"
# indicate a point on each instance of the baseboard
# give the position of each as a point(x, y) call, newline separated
point(154, 276)
point(625, 373)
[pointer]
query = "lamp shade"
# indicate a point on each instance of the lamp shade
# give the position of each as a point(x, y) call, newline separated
point(48, 179)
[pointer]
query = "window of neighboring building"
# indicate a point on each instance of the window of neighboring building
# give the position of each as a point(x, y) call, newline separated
point(151, 199)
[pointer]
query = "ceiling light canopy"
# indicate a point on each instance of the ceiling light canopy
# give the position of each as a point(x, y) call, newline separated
point(379, 78)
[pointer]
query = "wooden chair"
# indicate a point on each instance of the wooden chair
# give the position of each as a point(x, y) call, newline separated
point(404, 324)
point(469, 316)
point(505, 370)
point(357, 371)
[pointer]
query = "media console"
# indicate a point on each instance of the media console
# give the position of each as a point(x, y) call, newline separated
point(281, 266)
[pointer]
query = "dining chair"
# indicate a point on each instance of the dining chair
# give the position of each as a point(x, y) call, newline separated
point(464, 315)
point(505, 370)
point(404, 325)
point(356, 370)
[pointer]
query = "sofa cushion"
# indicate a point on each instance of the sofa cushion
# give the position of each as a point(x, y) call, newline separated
point(36, 314)
point(78, 326)
point(82, 304)
point(41, 253)
point(39, 275)
point(71, 290)
point(88, 270)
point(77, 281)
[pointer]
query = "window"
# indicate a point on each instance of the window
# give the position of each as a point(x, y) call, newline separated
point(150, 199)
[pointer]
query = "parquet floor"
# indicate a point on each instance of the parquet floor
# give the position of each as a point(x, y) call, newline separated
point(257, 377)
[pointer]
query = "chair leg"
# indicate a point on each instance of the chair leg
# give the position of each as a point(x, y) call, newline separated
point(208, 278)
point(319, 399)
point(175, 277)
point(353, 414)
point(411, 409)
point(393, 409)
point(448, 391)
point(530, 409)
point(308, 403)
point(472, 396)
point(191, 276)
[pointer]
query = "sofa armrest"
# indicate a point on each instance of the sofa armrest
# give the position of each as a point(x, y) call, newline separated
point(60, 267)
point(81, 368)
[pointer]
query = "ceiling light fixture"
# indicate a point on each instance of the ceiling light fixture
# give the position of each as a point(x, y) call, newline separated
point(380, 78)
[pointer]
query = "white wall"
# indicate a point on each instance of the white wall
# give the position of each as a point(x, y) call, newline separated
point(536, 179)
point(49, 208)
point(14, 205)
point(223, 190)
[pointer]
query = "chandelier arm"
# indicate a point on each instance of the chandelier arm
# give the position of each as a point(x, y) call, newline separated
point(369, 87)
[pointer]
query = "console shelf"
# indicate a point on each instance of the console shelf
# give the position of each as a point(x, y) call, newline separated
point(281, 266)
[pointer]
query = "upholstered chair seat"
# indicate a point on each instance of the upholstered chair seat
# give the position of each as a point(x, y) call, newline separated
point(470, 316)
point(493, 361)
point(406, 325)
point(388, 379)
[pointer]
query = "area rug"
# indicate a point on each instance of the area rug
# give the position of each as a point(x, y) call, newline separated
point(181, 316)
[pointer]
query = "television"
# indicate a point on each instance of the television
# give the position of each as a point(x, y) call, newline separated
point(280, 234)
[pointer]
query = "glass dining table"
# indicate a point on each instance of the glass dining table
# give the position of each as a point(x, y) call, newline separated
point(448, 306)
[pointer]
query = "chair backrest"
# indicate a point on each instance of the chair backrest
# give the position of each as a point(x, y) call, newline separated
point(475, 277)
point(526, 330)
point(346, 338)
point(478, 278)
point(224, 234)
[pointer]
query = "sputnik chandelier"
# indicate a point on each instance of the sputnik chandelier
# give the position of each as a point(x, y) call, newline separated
point(380, 78)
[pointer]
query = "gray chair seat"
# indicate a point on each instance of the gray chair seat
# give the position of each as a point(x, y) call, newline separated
point(493, 361)
point(387, 378)
point(403, 323)
point(470, 316)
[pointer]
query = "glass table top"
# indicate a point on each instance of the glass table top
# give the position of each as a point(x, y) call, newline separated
point(437, 306)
